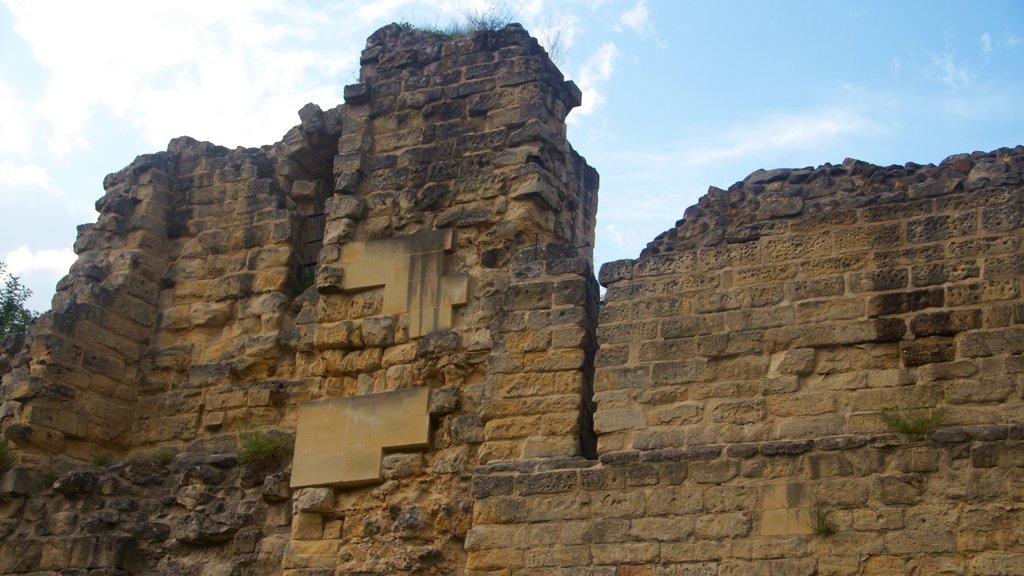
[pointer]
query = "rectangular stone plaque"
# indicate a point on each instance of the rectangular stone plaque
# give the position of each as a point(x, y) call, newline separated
point(339, 441)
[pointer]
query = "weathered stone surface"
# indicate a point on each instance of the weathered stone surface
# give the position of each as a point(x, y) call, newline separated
point(340, 441)
point(76, 483)
point(435, 233)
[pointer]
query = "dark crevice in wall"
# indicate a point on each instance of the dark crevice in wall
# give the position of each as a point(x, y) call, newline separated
point(588, 436)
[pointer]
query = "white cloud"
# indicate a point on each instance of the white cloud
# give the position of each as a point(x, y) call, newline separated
point(190, 66)
point(770, 135)
point(15, 177)
point(895, 66)
point(370, 11)
point(597, 70)
point(612, 233)
point(944, 68)
point(986, 44)
point(531, 9)
point(15, 125)
point(637, 18)
point(23, 259)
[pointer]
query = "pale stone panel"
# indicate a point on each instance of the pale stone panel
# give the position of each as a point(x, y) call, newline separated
point(411, 270)
point(784, 509)
point(339, 441)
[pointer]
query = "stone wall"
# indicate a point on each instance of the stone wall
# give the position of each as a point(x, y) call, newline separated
point(418, 261)
point(747, 362)
point(433, 233)
point(800, 303)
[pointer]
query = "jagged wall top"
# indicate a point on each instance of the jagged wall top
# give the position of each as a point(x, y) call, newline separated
point(761, 204)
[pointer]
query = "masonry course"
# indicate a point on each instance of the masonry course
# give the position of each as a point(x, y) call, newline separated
point(719, 410)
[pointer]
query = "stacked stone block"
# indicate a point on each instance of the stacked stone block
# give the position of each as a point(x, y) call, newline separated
point(539, 387)
point(854, 504)
point(75, 388)
point(190, 512)
point(453, 164)
point(432, 238)
point(375, 248)
point(801, 303)
point(752, 354)
point(167, 327)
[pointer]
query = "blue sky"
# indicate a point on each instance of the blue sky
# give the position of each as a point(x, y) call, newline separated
point(678, 95)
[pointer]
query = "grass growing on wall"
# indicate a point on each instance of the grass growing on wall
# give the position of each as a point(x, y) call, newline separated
point(265, 447)
point(473, 20)
point(914, 421)
point(820, 522)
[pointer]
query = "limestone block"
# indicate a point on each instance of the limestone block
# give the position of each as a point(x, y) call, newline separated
point(56, 418)
point(20, 482)
point(784, 509)
point(307, 526)
point(411, 270)
point(340, 441)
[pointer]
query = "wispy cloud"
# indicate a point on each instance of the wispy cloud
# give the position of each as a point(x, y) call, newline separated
point(986, 45)
point(652, 186)
point(370, 11)
point(895, 66)
point(637, 18)
point(774, 134)
point(596, 71)
point(945, 69)
point(612, 233)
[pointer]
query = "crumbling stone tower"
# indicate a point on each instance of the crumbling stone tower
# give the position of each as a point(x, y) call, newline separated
point(430, 238)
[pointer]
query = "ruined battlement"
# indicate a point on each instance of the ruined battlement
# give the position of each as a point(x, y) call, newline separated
point(401, 292)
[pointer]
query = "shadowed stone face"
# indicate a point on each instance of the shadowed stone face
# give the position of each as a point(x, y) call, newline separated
point(339, 441)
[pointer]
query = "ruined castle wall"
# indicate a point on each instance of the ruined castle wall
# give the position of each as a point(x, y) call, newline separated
point(747, 358)
point(418, 260)
point(434, 232)
point(464, 138)
point(798, 304)
point(179, 293)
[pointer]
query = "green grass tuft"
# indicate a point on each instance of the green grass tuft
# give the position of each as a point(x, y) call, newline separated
point(165, 457)
point(820, 522)
point(48, 478)
point(265, 447)
point(493, 18)
point(102, 460)
point(915, 421)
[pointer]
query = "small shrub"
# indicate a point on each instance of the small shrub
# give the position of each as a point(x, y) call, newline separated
point(820, 523)
point(265, 447)
point(6, 457)
point(916, 421)
point(14, 317)
point(48, 478)
point(102, 460)
point(165, 457)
